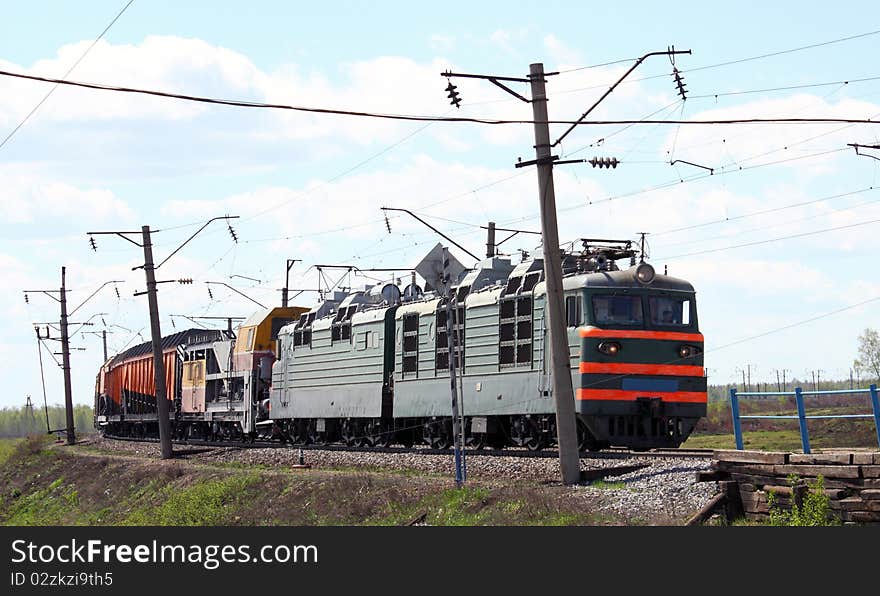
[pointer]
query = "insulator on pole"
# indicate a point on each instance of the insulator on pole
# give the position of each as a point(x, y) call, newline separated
point(676, 74)
point(452, 93)
point(604, 162)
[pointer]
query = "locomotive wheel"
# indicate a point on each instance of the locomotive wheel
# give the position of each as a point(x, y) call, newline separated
point(534, 443)
point(381, 436)
point(476, 441)
point(348, 433)
point(441, 442)
point(586, 440)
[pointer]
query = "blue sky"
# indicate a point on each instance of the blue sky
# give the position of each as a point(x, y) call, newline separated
point(310, 186)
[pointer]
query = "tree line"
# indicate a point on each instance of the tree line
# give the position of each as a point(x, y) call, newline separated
point(23, 421)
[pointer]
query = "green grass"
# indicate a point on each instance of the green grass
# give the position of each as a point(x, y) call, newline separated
point(50, 506)
point(760, 440)
point(7, 447)
point(207, 503)
point(604, 484)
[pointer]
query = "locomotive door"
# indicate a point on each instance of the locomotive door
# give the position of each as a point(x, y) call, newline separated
point(193, 387)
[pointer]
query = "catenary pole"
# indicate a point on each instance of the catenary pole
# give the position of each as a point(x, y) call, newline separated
point(65, 362)
point(566, 427)
point(43, 380)
point(158, 356)
point(451, 311)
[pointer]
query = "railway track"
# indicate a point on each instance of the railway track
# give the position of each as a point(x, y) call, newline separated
point(612, 453)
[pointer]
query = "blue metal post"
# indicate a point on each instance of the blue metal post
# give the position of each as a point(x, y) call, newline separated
point(737, 429)
point(876, 405)
point(802, 419)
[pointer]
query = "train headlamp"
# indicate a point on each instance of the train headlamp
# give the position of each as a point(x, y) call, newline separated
point(609, 348)
point(644, 274)
point(686, 351)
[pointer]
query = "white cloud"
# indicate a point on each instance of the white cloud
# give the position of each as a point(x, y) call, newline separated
point(29, 196)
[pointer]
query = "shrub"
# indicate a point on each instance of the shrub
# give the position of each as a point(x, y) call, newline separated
point(814, 510)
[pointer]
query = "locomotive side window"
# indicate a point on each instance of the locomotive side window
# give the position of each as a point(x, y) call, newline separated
point(669, 311)
point(574, 315)
point(515, 331)
point(531, 280)
point(441, 341)
point(410, 345)
point(617, 310)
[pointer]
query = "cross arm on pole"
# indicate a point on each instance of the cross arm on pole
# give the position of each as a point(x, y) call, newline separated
point(237, 292)
point(120, 234)
point(112, 281)
point(472, 255)
point(614, 86)
point(46, 292)
point(185, 242)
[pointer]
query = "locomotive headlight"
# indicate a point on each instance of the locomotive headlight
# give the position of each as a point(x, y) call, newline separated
point(686, 351)
point(644, 274)
point(610, 348)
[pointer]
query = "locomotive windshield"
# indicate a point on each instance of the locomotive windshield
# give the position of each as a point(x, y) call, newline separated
point(645, 311)
point(669, 311)
point(617, 310)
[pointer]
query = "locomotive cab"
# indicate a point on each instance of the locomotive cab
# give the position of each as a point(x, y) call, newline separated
point(641, 377)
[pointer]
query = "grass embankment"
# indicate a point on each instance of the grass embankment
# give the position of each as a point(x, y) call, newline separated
point(60, 485)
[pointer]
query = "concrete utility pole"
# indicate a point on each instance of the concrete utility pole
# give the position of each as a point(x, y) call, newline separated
point(566, 425)
point(162, 410)
point(158, 356)
point(560, 368)
point(65, 362)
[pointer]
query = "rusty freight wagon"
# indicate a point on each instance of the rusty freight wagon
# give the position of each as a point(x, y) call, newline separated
point(125, 393)
point(218, 382)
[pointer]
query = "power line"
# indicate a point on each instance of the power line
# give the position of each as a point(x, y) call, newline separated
point(799, 323)
point(788, 88)
point(66, 74)
point(343, 173)
point(737, 61)
point(781, 224)
point(781, 52)
point(761, 212)
point(758, 242)
point(597, 65)
point(423, 118)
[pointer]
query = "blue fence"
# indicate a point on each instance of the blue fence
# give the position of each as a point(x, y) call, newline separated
point(801, 416)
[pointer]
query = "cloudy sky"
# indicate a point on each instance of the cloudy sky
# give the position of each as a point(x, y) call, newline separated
point(756, 236)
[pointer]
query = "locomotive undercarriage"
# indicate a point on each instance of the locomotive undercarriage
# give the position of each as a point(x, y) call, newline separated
point(531, 431)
